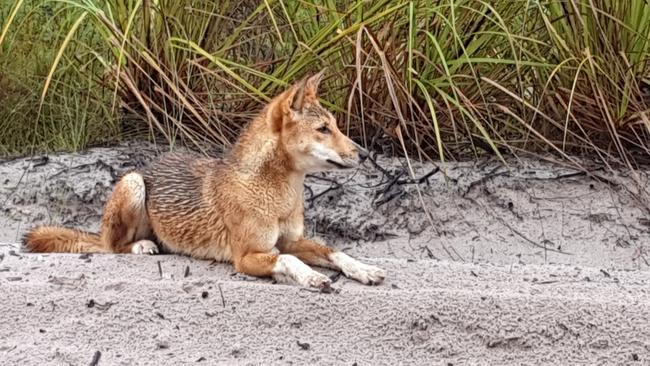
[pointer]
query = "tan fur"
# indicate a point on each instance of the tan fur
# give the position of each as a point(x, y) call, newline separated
point(54, 239)
point(237, 209)
point(308, 251)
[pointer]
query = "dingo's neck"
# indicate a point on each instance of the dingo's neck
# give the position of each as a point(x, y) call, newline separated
point(258, 154)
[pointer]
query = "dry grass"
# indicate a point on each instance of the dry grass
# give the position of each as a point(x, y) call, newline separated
point(453, 80)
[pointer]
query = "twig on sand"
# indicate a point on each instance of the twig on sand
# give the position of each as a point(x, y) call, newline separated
point(160, 269)
point(99, 306)
point(458, 254)
point(335, 277)
point(386, 199)
point(645, 260)
point(588, 173)
point(386, 194)
point(372, 160)
point(393, 180)
point(547, 282)
point(336, 185)
point(223, 300)
point(485, 178)
point(39, 161)
point(312, 197)
point(444, 247)
point(429, 252)
point(448, 252)
point(422, 179)
point(99, 164)
point(323, 290)
point(605, 273)
point(68, 282)
point(560, 176)
point(534, 243)
point(304, 346)
point(501, 342)
point(95, 359)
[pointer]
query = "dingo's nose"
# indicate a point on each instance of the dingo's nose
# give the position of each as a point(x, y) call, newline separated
point(363, 153)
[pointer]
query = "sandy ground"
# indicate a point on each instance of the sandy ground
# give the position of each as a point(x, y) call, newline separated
point(531, 264)
point(61, 309)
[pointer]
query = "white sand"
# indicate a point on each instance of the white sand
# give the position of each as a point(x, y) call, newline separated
point(492, 283)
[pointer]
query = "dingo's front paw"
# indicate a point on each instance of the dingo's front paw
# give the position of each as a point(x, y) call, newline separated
point(144, 247)
point(317, 280)
point(352, 268)
point(368, 275)
point(291, 269)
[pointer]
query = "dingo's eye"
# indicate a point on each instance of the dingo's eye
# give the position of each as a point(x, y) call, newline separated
point(324, 129)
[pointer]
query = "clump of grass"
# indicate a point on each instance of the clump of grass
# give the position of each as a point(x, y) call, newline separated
point(448, 80)
point(73, 113)
point(600, 90)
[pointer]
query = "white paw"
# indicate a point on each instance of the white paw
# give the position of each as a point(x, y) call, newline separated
point(367, 274)
point(316, 280)
point(291, 269)
point(144, 247)
point(352, 268)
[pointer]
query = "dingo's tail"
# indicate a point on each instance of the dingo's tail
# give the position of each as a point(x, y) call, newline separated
point(54, 239)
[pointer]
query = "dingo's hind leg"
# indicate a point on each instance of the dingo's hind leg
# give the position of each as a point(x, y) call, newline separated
point(125, 226)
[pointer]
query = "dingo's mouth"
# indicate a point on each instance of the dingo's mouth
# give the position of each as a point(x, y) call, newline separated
point(339, 165)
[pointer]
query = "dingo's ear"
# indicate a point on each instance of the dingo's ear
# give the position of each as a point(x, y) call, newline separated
point(307, 91)
point(281, 107)
point(294, 99)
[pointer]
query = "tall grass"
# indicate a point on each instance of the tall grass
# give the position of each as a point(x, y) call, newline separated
point(444, 79)
point(74, 110)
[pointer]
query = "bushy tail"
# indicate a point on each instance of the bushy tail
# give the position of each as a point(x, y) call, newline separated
point(53, 239)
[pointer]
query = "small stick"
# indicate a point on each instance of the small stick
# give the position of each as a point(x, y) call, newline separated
point(458, 254)
point(331, 188)
point(484, 179)
point(534, 243)
point(392, 182)
point(159, 269)
point(223, 300)
point(422, 179)
point(95, 359)
point(379, 167)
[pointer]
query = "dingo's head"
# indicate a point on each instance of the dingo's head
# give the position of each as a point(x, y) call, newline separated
point(308, 132)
